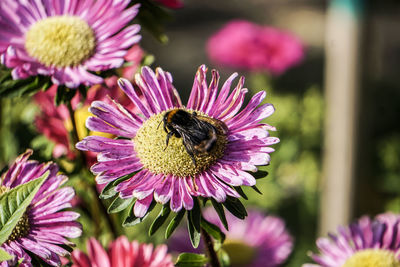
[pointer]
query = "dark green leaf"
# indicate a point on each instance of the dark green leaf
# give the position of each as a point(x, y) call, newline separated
point(195, 215)
point(212, 230)
point(193, 233)
point(4, 256)
point(161, 218)
point(260, 174)
point(221, 213)
point(235, 207)
point(191, 260)
point(119, 204)
point(14, 203)
point(64, 94)
point(240, 191)
point(132, 220)
point(256, 189)
point(174, 223)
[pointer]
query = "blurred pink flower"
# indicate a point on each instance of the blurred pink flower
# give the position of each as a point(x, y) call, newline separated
point(133, 57)
point(242, 44)
point(258, 241)
point(122, 253)
point(173, 4)
point(55, 122)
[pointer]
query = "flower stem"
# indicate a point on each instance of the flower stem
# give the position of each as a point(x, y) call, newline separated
point(100, 203)
point(208, 242)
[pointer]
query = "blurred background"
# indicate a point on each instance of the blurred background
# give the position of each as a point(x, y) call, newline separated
point(337, 110)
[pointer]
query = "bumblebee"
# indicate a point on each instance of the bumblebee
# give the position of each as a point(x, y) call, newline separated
point(199, 133)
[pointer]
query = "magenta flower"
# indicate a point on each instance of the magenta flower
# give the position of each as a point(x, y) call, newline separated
point(66, 40)
point(363, 243)
point(257, 241)
point(44, 227)
point(245, 45)
point(234, 143)
point(122, 253)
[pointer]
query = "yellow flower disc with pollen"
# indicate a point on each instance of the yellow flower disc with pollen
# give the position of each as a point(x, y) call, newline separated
point(240, 254)
point(373, 258)
point(156, 156)
point(60, 41)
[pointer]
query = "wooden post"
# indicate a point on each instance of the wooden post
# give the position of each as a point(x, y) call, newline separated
point(342, 50)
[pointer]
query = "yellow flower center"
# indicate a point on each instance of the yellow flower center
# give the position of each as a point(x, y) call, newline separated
point(373, 258)
point(60, 41)
point(22, 227)
point(156, 156)
point(240, 254)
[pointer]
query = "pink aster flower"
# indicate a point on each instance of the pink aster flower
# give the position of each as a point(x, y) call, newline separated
point(122, 253)
point(44, 227)
point(66, 40)
point(208, 161)
point(55, 122)
point(242, 44)
point(257, 241)
point(365, 242)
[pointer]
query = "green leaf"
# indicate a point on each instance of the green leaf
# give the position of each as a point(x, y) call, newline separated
point(212, 230)
point(4, 256)
point(235, 207)
point(194, 234)
point(174, 223)
point(119, 204)
point(191, 260)
point(159, 221)
point(221, 213)
point(17, 88)
point(132, 220)
point(14, 203)
point(241, 193)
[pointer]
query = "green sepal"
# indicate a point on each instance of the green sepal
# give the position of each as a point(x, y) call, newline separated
point(221, 213)
point(235, 207)
point(4, 256)
point(241, 193)
point(13, 204)
point(213, 230)
point(256, 189)
point(194, 234)
point(260, 174)
point(195, 215)
point(160, 220)
point(132, 220)
point(109, 190)
point(174, 223)
point(191, 260)
point(119, 204)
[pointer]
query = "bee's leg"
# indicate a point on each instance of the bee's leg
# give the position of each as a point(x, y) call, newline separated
point(167, 139)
